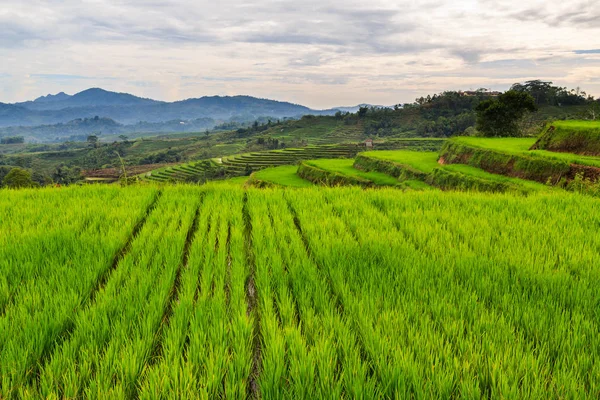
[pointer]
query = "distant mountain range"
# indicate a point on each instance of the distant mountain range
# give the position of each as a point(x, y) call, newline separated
point(62, 116)
point(128, 109)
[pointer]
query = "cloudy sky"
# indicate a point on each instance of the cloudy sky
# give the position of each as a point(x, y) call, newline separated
point(320, 53)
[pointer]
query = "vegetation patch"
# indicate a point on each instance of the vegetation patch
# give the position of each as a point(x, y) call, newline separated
point(453, 180)
point(580, 137)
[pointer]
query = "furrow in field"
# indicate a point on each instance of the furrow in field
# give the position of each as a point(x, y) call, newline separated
point(227, 287)
point(101, 282)
point(305, 241)
point(169, 375)
point(353, 365)
point(252, 302)
point(174, 293)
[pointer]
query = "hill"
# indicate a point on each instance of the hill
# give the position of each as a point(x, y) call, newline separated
point(94, 97)
point(125, 108)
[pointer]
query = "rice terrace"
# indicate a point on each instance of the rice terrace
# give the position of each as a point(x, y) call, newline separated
point(268, 200)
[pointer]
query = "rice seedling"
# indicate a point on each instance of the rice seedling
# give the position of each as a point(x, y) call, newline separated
point(221, 292)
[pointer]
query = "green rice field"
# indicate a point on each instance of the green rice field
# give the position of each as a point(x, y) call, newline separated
point(216, 291)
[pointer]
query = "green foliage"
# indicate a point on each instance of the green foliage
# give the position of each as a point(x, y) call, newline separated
point(449, 180)
point(501, 116)
point(544, 93)
point(162, 157)
point(12, 140)
point(18, 178)
point(583, 185)
point(66, 175)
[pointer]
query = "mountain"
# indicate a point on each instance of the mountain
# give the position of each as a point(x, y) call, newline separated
point(128, 109)
point(90, 98)
point(62, 96)
point(99, 97)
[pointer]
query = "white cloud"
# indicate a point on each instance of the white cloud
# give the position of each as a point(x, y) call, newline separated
point(320, 53)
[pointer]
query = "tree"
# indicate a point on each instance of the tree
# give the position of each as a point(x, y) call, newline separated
point(594, 109)
point(501, 116)
point(65, 175)
point(18, 178)
point(123, 137)
point(93, 140)
point(541, 91)
point(362, 112)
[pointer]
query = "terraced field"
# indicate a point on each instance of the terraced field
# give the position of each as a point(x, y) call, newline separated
point(285, 175)
point(288, 156)
point(424, 166)
point(244, 164)
point(203, 292)
point(184, 172)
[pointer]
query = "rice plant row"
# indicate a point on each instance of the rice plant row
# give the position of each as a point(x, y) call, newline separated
point(219, 292)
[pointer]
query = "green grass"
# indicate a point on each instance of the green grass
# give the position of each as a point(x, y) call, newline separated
point(522, 146)
point(284, 176)
point(577, 124)
point(345, 166)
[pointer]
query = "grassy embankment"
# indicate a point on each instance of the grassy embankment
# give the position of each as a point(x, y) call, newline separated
point(581, 137)
point(425, 167)
point(512, 157)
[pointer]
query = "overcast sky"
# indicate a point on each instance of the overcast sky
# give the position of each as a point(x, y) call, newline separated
point(320, 53)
